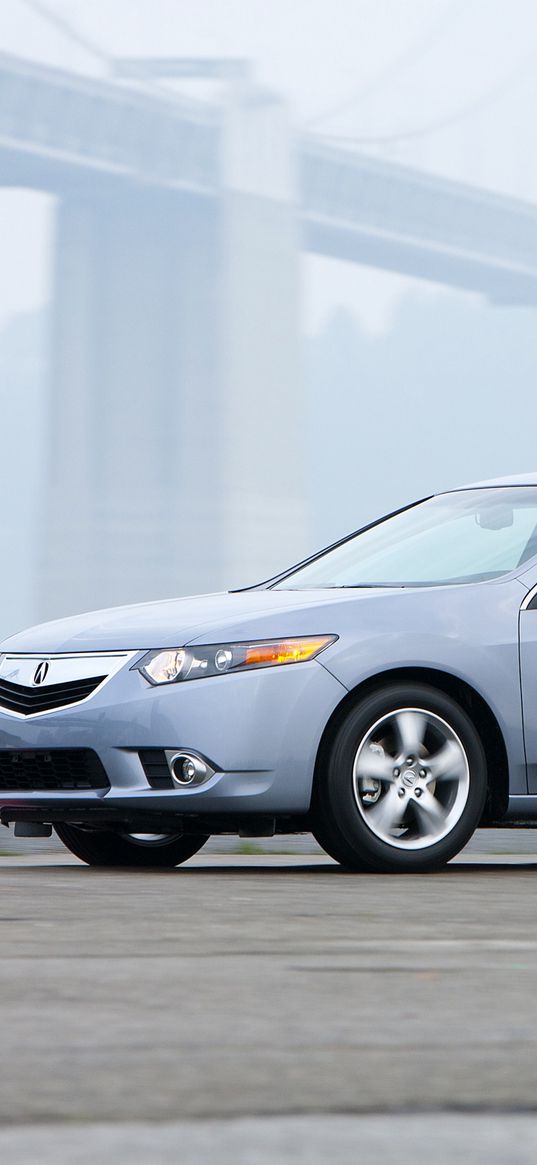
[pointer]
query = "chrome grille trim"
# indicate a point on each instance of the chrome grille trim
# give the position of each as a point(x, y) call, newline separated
point(72, 671)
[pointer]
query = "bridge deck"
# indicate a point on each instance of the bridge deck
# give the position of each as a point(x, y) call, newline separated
point(59, 132)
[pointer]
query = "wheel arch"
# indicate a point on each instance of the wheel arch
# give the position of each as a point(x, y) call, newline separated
point(470, 700)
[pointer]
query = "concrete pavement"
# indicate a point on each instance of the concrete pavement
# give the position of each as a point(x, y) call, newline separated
point(439, 1138)
point(266, 986)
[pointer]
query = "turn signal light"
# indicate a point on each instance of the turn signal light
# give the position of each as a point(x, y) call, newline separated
point(286, 651)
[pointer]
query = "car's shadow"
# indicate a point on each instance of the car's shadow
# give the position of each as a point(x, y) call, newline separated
point(239, 868)
point(331, 869)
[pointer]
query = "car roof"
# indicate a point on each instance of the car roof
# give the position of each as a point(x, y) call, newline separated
point(516, 479)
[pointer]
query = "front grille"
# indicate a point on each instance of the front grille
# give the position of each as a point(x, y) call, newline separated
point(26, 701)
point(155, 767)
point(59, 768)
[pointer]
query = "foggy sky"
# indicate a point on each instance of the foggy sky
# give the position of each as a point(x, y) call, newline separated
point(415, 382)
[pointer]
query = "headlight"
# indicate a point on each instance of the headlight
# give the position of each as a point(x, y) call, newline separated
point(195, 663)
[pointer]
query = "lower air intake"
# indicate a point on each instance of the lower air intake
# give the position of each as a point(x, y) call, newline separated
point(55, 770)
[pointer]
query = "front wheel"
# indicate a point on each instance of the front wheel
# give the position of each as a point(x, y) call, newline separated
point(405, 783)
point(112, 848)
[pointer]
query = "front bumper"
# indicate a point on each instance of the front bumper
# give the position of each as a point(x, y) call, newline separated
point(259, 730)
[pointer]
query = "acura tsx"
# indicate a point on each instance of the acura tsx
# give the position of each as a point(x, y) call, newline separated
point(382, 694)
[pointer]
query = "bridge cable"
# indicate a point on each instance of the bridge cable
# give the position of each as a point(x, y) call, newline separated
point(509, 81)
point(399, 64)
point(152, 87)
point(68, 30)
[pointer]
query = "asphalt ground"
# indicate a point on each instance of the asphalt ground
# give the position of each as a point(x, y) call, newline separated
point(269, 1007)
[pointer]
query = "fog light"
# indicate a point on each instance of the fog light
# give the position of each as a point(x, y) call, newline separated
point(187, 768)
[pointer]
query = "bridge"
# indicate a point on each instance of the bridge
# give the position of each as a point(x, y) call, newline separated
point(61, 132)
point(179, 228)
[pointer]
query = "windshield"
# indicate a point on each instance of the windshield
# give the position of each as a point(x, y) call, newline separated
point(460, 537)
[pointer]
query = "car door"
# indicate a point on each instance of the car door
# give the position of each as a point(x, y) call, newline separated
point(528, 673)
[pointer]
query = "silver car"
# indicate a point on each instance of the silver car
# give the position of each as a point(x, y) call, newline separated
point(382, 695)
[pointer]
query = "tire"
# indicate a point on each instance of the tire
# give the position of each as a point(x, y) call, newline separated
point(333, 842)
point(404, 785)
point(110, 848)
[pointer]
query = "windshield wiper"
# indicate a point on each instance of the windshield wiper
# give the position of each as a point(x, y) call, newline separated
point(369, 586)
point(344, 587)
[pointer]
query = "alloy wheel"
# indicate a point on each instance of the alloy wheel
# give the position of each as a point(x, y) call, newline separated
point(411, 778)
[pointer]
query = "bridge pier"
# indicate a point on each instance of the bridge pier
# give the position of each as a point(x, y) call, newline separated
point(176, 452)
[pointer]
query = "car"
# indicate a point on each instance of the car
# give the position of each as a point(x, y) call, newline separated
point(381, 694)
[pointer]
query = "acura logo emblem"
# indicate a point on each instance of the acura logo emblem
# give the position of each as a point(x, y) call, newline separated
point(41, 672)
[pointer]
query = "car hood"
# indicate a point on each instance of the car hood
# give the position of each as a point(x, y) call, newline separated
point(176, 622)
